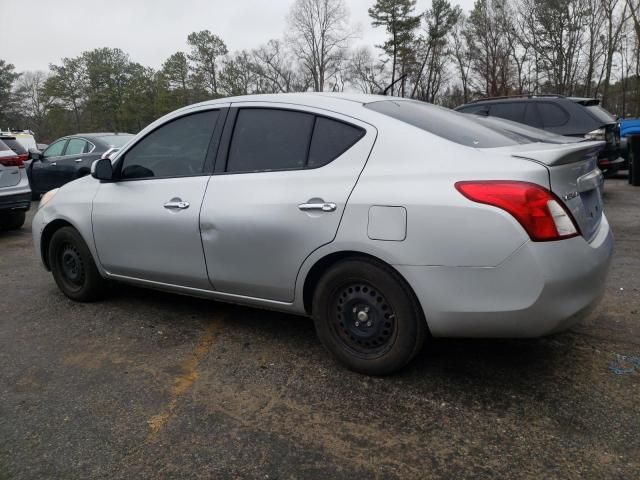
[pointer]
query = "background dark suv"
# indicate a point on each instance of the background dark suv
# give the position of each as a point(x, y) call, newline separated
point(569, 116)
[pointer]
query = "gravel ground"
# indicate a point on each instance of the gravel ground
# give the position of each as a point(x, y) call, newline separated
point(151, 385)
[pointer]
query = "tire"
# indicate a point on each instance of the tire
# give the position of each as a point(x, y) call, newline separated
point(73, 267)
point(12, 220)
point(367, 317)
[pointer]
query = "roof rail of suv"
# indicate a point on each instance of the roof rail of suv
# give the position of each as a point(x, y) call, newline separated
point(524, 95)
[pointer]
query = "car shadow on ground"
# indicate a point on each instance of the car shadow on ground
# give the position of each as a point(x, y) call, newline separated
point(510, 365)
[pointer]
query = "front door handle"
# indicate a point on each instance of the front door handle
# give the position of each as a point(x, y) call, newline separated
point(78, 160)
point(53, 164)
point(176, 205)
point(313, 205)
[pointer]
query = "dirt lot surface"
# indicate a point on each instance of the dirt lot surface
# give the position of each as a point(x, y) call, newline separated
point(150, 385)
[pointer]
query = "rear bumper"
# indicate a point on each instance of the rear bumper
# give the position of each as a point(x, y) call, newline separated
point(16, 201)
point(541, 289)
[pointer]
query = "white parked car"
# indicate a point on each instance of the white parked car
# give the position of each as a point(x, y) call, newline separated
point(382, 218)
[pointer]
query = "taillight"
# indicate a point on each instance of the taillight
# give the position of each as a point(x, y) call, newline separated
point(24, 157)
point(537, 209)
point(14, 161)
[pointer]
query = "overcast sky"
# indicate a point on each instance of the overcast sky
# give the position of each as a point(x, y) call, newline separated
point(148, 30)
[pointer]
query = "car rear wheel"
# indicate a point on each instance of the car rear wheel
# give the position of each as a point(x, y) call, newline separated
point(12, 220)
point(73, 267)
point(367, 317)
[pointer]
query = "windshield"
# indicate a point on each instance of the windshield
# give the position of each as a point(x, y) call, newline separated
point(457, 127)
point(116, 140)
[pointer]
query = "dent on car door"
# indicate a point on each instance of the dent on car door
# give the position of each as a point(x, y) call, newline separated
point(146, 221)
point(282, 181)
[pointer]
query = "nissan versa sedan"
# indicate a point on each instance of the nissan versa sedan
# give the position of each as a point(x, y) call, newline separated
point(382, 218)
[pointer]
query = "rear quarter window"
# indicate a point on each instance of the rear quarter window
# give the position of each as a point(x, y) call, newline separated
point(331, 139)
point(552, 115)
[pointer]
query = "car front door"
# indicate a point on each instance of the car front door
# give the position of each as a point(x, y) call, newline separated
point(283, 178)
point(44, 172)
point(75, 163)
point(146, 221)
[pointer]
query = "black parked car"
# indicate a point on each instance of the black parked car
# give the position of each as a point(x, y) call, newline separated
point(69, 158)
point(568, 116)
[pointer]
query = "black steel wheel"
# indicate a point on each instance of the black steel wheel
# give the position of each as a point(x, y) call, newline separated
point(73, 267)
point(364, 320)
point(367, 316)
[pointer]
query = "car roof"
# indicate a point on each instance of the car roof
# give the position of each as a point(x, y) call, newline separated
point(311, 99)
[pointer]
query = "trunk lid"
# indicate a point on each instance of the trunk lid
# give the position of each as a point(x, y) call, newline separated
point(574, 177)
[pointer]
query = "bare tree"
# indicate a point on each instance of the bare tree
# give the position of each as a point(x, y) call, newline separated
point(320, 35)
point(440, 20)
point(276, 69)
point(35, 102)
point(461, 54)
point(365, 72)
point(616, 15)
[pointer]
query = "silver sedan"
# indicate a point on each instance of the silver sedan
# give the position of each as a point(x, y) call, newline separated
point(382, 218)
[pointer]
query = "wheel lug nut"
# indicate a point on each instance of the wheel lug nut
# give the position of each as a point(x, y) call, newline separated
point(355, 309)
point(357, 324)
point(366, 309)
point(369, 324)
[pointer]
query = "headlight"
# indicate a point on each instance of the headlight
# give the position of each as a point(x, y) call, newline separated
point(598, 134)
point(48, 196)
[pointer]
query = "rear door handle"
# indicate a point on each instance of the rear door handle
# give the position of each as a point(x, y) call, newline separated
point(317, 206)
point(53, 164)
point(176, 205)
point(78, 160)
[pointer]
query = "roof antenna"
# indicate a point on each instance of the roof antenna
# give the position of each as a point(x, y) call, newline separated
point(384, 92)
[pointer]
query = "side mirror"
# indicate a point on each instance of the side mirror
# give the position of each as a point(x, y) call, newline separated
point(35, 154)
point(102, 169)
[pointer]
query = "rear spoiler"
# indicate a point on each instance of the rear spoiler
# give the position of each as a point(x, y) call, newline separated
point(559, 154)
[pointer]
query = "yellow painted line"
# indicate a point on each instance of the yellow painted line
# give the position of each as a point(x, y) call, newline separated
point(183, 382)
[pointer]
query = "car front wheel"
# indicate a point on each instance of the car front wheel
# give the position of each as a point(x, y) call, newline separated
point(12, 220)
point(73, 267)
point(367, 317)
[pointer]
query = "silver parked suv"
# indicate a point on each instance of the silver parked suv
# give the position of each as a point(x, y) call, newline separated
point(15, 194)
point(382, 218)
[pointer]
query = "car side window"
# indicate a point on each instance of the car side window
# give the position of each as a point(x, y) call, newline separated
point(55, 149)
point(531, 117)
point(268, 139)
point(75, 146)
point(89, 147)
point(552, 115)
point(513, 111)
point(331, 139)
point(176, 149)
point(476, 109)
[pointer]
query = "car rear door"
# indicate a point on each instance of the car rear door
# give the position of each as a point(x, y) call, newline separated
point(283, 177)
point(146, 222)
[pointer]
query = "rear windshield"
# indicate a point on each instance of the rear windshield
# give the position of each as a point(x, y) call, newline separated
point(116, 140)
point(14, 145)
point(457, 127)
point(532, 133)
point(601, 114)
point(3, 147)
